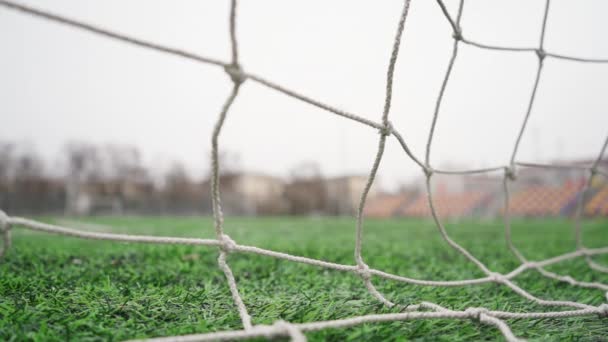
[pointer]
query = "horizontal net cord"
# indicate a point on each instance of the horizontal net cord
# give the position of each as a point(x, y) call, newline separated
point(107, 33)
point(458, 35)
point(554, 166)
point(71, 232)
point(180, 53)
point(544, 302)
point(448, 283)
point(595, 266)
point(576, 59)
point(522, 164)
point(571, 255)
point(470, 171)
point(498, 48)
point(55, 229)
point(572, 281)
point(313, 102)
point(473, 313)
point(517, 315)
point(189, 55)
point(579, 211)
point(534, 50)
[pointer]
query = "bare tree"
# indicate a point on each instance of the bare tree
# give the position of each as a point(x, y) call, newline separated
point(177, 179)
point(29, 166)
point(181, 193)
point(121, 162)
point(28, 188)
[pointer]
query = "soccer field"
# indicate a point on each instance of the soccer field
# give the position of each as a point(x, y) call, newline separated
point(60, 288)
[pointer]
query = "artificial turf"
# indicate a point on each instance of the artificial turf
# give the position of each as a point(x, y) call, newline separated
point(60, 288)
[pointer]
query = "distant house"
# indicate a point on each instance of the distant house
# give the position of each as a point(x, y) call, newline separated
point(344, 194)
point(306, 196)
point(94, 197)
point(244, 193)
point(108, 196)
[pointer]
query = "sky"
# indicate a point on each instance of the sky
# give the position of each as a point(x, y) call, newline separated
point(59, 84)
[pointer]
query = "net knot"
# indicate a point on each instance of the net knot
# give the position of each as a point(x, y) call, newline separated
point(363, 271)
point(541, 54)
point(593, 171)
point(603, 309)
point(227, 244)
point(236, 73)
point(475, 313)
point(4, 223)
point(457, 34)
point(290, 329)
point(386, 129)
point(428, 171)
point(531, 264)
point(511, 173)
point(497, 277)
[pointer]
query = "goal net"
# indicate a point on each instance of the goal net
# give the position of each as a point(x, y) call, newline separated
point(422, 310)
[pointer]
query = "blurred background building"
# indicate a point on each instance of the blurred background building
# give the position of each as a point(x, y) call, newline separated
point(88, 179)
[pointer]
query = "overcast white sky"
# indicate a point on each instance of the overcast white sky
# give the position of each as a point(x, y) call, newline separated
point(58, 84)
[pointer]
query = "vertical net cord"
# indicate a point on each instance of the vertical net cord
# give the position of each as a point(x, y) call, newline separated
point(384, 132)
point(507, 218)
point(510, 171)
point(498, 278)
point(428, 171)
point(218, 216)
point(579, 212)
point(5, 230)
point(541, 57)
point(107, 33)
point(564, 278)
point(234, 46)
point(510, 175)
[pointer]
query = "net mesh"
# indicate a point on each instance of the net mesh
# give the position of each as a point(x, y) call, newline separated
point(423, 310)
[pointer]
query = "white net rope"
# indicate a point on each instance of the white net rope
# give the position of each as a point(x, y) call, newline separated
point(424, 310)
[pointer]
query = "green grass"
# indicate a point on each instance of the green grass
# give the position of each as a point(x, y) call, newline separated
point(60, 288)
